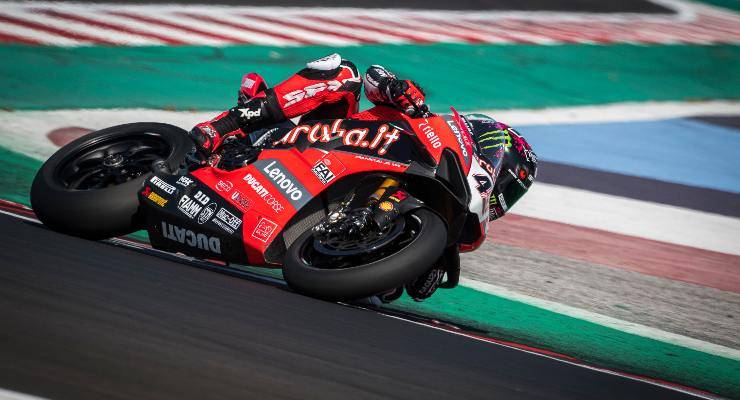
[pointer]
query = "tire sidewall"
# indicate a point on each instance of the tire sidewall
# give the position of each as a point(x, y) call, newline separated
point(101, 213)
point(372, 278)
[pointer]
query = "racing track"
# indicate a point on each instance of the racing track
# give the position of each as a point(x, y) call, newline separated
point(90, 320)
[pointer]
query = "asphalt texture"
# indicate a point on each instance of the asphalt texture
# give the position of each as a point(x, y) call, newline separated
point(604, 6)
point(88, 320)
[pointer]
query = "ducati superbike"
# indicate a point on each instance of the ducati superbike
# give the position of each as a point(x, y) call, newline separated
point(347, 208)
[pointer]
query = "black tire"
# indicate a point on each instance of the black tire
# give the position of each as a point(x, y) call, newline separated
point(98, 213)
point(365, 280)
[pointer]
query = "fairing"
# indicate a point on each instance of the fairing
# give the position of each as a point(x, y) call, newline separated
point(236, 215)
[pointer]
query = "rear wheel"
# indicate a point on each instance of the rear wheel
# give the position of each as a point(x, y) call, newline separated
point(350, 269)
point(89, 187)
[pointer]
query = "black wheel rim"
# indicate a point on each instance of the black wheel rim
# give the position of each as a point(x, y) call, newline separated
point(399, 236)
point(112, 161)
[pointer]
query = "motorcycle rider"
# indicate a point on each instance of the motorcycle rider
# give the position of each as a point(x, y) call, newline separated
point(330, 88)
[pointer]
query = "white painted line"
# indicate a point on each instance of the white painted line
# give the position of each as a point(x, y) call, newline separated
point(6, 394)
point(603, 320)
point(614, 112)
point(631, 217)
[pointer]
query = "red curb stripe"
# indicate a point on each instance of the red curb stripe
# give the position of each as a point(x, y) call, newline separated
point(245, 27)
point(466, 37)
point(650, 257)
point(108, 25)
point(8, 38)
point(368, 27)
point(309, 28)
point(49, 29)
point(177, 26)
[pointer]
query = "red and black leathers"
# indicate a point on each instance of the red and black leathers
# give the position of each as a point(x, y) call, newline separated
point(327, 88)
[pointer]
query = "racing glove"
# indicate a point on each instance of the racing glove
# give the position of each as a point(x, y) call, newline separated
point(383, 87)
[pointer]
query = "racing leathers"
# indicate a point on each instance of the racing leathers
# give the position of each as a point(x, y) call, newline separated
point(328, 88)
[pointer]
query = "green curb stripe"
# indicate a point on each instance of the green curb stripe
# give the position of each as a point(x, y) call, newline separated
point(466, 76)
point(729, 4)
point(17, 175)
point(511, 320)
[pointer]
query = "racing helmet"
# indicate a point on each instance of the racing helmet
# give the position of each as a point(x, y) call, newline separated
point(509, 155)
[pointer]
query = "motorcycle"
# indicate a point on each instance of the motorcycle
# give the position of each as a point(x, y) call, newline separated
point(347, 208)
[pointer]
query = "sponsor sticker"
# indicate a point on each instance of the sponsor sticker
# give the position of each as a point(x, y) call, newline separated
point(153, 197)
point(264, 230)
point(189, 206)
point(202, 198)
point(323, 172)
point(249, 114)
point(328, 168)
point(157, 199)
point(286, 182)
point(241, 201)
point(190, 238)
point(164, 186)
point(207, 213)
point(381, 141)
point(430, 134)
point(311, 90)
point(229, 218)
point(502, 201)
point(184, 181)
point(261, 191)
point(399, 196)
point(224, 186)
point(386, 206)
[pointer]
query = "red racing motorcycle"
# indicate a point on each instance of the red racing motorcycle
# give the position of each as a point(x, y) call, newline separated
point(347, 208)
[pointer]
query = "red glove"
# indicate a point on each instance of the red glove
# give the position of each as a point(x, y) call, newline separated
point(408, 97)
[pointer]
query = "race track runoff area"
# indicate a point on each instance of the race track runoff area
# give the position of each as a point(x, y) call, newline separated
point(617, 276)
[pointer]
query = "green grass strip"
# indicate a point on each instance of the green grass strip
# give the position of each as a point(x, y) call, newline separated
point(466, 76)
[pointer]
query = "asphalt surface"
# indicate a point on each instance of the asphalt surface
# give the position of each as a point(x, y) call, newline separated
point(83, 319)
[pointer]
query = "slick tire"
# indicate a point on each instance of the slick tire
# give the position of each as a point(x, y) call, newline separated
point(368, 279)
point(109, 211)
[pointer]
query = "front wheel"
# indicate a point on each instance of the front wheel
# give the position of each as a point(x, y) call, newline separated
point(418, 242)
point(88, 188)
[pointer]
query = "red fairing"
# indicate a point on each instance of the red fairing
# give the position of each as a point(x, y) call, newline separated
point(271, 190)
point(300, 94)
point(380, 113)
point(468, 247)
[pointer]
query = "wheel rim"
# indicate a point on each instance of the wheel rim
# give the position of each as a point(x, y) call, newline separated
point(112, 161)
point(344, 255)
